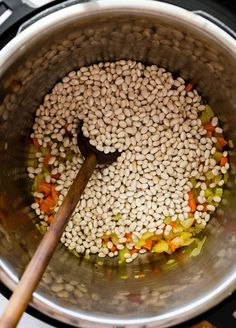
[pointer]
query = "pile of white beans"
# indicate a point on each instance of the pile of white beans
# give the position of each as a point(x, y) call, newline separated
point(147, 115)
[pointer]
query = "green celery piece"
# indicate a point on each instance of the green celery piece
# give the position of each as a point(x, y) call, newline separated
point(160, 247)
point(226, 176)
point(217, 156)
point(193, 181)
point(208, 192)
point(209, 175)
point(197, 250)
point(39, 178)
point(117, 217)
point(207, 114)
point(187, 223)
point(217, 179)
point(167, 220)
point(121, 255)
point(231, 144)
point(219, 192)
point(44, 151)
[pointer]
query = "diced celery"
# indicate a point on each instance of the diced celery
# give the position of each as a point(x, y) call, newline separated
point(178, 229)
point(226, 176)
point(219, 192)
point(210, 199)
point(44, 151)
point(39, 178)
point(193, 181)
point(209, 175)
point(208, 192)
point(217, 179)
point(114, 239)
point(209, 111)
point(197, 250)
point(147, 235)
point(160, 247)
point(187, 223)
point(231, 144)
point(167, 220)
point(207, 114)
point(121, 255)
point(117, 217)
point(140, 243)
point(217, 156)
point(185, 235)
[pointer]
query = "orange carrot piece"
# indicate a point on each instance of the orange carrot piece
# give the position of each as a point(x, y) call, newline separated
point(45, 188)
point(191, 202)
point(223, 161)
point(188, 87)
point(173, 224)
point(133, 250)
point(46, 159)
point(113, 249)
point(222, 141)
point(128, 235)
point(148, 244)
point(50, 219)
point(190, 195)
point(47, 204)
point(209, 127)
point(44, 208)
point(36, 143)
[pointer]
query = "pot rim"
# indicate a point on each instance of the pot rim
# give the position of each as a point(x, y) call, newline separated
point(17, 46)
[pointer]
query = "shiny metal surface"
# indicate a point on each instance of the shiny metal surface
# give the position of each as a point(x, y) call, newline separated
point(98, 292)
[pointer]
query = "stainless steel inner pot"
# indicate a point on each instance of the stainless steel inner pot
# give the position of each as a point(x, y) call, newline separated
point(98, 292)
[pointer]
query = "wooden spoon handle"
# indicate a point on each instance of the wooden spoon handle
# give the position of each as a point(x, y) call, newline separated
point(35, 269)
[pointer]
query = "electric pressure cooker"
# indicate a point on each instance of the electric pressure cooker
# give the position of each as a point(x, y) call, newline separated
point(43, 40)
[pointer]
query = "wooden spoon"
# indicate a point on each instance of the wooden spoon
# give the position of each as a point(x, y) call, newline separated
point(36, 267)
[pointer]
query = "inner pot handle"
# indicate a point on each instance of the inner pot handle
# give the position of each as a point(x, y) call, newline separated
point(216, 21)
point(15, 12)
point(49, 10)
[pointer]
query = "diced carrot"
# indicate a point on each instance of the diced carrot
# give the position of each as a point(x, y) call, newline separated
point(56, 176)
point(190, 195)
point(209, 127)
point(113, 249)
point(128, 235)
point(54, 193)
point(188, 87)
point(36, 143)
point(49, 202)
point(223, 161)
point(173, 224)
point(133, 250)
point(44, 208)
point(148, 244)
point(51, 219)
point(45, 188)
point(191, 202)
point(222, 141)
point(46, 159)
